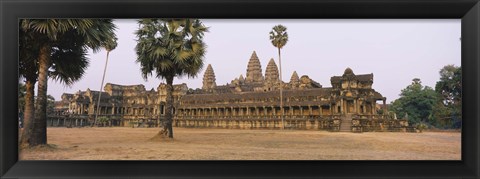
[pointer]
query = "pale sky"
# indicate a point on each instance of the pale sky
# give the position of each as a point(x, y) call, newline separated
point(395, 51)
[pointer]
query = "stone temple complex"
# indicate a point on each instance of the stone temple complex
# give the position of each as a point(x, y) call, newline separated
point(253, 101)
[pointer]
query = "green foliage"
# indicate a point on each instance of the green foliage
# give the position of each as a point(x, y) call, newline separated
point(279, 36)
point(58, 48)
point(103, 119)
point(448, 110)
point(28, 55)
point(416, 100)
point(422, 126)
point(170, 47)
point(440, 108)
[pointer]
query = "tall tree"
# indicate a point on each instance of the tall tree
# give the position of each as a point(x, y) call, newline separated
point(109, 45)
point(170, 48)
point(448, 112)
point(49, 34)
point(415, 100)
point(279, 38)
point(27, 68)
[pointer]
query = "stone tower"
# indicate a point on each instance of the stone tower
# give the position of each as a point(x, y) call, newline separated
point(209, 79)
point(271, 73)
point(241, 78)
point(294, 80)
point(254, 69)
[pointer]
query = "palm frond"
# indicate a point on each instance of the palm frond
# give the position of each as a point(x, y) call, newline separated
point(172, 47)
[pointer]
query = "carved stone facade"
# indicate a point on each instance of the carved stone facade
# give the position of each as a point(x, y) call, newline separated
point(251, 102)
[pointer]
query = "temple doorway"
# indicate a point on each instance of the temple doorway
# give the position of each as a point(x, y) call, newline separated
point(350, 106)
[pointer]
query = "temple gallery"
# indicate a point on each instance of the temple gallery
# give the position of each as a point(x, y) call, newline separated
point(250, 101)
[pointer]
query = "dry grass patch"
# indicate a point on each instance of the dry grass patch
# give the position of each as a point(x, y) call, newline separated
point(235, 144)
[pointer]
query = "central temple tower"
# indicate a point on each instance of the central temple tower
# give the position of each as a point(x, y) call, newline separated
point(254, 70)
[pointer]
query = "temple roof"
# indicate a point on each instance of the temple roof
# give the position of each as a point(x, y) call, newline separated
point(348, 71)
point(260, 95)
point(138, 87)
point(361, 78)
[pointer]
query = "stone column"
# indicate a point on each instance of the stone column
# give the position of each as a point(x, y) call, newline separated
point(341, 106)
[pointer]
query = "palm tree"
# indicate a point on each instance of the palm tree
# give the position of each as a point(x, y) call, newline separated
point(172, 48)
point(109, 45)
point(68, 65)
point(52, 36)
point(28, 72)
point(279, 38)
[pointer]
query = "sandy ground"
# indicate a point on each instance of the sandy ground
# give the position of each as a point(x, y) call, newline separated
point(237, 144)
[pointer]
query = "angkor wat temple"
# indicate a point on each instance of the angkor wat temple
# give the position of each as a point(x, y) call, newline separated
point(350, 104)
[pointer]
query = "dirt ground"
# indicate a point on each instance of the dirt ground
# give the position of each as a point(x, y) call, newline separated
point(237, 144)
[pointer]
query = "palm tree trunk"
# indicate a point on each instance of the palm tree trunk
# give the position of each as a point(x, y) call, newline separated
point(100, 94)
point(29, 113)
point(169, 107)
point(40, 122)
point(281, 90)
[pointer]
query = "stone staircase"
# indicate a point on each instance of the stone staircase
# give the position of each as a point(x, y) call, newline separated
point(346, 123)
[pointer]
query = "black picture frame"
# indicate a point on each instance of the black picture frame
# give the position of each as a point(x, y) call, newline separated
point(466, 10)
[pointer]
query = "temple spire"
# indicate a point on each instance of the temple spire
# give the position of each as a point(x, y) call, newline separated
point(254, 69)
point(209, 79)
point(271, 73)
point(241, 78)
point(294, 80)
